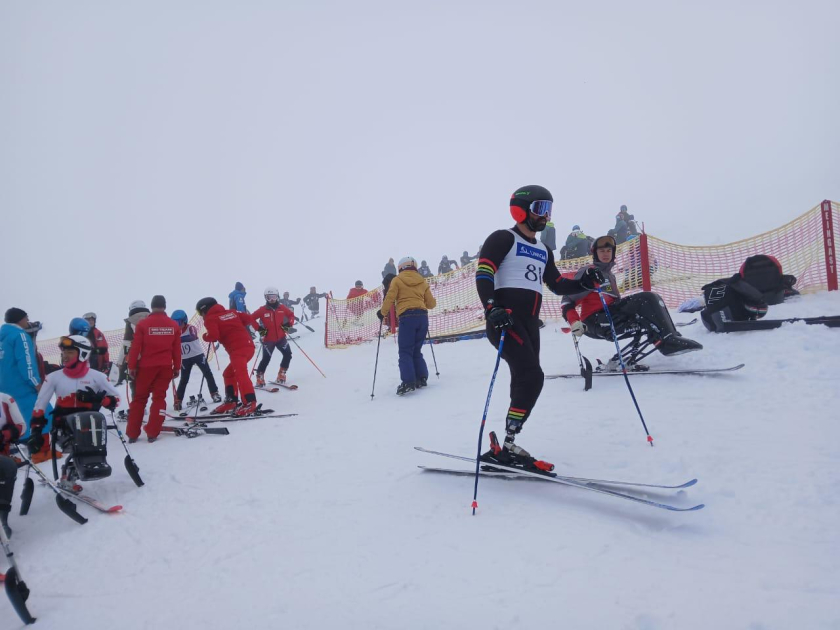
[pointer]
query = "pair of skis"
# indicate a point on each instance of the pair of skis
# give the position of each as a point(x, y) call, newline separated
point(277, 386)
point(632, 372)
point(602, 486)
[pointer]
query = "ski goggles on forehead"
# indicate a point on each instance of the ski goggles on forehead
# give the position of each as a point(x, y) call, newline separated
point(65, 343)
point(541, 207)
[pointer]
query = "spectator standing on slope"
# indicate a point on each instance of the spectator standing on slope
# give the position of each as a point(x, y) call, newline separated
point(153, 362)
point(413, 298)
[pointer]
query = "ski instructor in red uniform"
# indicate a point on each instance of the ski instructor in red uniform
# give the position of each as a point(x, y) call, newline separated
point(153, 361)
point(230, 328)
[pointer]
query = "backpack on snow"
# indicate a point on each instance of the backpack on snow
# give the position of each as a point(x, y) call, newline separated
point(84, 436)
point(746, 295)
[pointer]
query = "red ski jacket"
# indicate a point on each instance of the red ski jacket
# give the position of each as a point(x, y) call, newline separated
point(355, 292)
point(157, 343)
point(100, 358)
point(230, 328)
point(273, 320)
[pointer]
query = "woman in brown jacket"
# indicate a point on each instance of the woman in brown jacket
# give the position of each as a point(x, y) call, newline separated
point(413, 298)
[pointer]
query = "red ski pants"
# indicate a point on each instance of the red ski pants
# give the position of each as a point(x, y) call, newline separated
point(237, 374)
point(152, 381)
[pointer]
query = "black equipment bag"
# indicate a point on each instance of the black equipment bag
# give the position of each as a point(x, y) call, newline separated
point(746, 295)
point(86, 433)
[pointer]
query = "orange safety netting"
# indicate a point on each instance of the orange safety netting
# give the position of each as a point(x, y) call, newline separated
point(803, 246)
point(49, 347)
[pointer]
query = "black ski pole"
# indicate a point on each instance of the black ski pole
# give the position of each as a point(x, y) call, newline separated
point(201, 385)
point(484, 420)
point(64, 504)
point(131, 466)
point(623, 366)
point(16, 588)
point(26, 493)
point(432, 346)
point(585, 366)
point(376, 365)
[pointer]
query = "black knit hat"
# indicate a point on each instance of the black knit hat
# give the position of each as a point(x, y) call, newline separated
point(14, 315)
point(158, 302)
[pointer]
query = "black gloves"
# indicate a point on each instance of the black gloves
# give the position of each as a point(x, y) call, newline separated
point(263, 332)
point(87, 395)
point(36, 441)
point(9, 434)
point(498, 317)
point(592, 278)
point(380, 315)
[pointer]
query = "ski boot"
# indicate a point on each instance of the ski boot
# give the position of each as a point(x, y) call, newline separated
point(423, 382)
point(513, 456)
point(229, 406)
point(216, 397)
point(281, 376)
point(260, 380)
point(404, 388)
point(68, 479)
point(246, 409)
point(674, 343)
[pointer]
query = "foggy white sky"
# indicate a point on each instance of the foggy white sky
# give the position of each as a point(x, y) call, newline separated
point(178, 146)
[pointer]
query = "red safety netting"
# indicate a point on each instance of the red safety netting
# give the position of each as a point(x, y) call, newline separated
point(49, 347)
point(676, 272)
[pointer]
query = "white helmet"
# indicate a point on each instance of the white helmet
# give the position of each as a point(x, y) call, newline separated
point(407, 262)
point(271, 292)
point(90, 315)
point(136, 304)
point(82, 344)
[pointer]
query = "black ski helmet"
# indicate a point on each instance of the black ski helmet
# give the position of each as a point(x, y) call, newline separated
point(204, 304)
point(521, 200)
point(603, 241)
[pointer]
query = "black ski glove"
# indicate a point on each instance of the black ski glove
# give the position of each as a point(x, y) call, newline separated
point(36, 440)
point(498, 317)
point(87, 395)
point(592, 278)
point(380, 315)
point(9, 434)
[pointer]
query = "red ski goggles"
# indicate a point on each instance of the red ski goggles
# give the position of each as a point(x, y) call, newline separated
point(541, 207)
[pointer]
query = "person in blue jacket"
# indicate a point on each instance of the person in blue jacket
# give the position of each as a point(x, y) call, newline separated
point(19, 376)
point(237, 298)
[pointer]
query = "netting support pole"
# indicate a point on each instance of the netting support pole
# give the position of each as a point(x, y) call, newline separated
point(828, 241)
point(327, 324)
point(645, 258)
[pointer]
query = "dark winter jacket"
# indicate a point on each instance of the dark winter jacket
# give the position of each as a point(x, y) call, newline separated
point(548, 236)
point(389, 268)
point(311, 301)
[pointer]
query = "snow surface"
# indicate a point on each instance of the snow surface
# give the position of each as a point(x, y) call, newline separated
point(325, 521)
